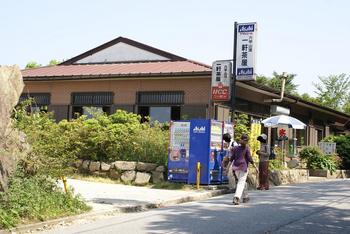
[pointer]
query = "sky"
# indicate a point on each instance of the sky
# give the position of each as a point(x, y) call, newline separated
point(308, 38)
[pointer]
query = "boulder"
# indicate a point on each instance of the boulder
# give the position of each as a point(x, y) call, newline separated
point(128, 176)
point(124, 165)
point(100, 173)
point(86, 164)
point(94, 166)
point(157, 176)
point(114, 174)
point(142, 178)
point(293, 163)
point(10, 90)
point(105, 166)
point(160, 168)
point(78, 163)
point(12, 143)
point(145, 166)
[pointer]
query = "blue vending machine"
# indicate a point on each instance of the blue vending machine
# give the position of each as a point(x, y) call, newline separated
point(205, 147)
point(179, 151)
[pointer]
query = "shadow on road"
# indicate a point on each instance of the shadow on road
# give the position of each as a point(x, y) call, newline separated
point(305, 208)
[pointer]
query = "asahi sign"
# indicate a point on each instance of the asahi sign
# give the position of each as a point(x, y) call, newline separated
point(245, 51)
point(221, 81)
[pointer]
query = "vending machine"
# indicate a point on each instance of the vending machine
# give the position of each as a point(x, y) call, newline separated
point(179, 151)
point(197, 141)
point(205, 148)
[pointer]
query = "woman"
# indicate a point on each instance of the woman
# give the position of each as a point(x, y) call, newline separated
point(263, 154)
point(240, 158)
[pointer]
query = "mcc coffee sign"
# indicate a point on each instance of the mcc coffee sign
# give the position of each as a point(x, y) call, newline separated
point(221, 81)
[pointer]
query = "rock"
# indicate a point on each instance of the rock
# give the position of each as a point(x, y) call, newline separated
point(278, 177)
point(142, 178)
point(105, 166)
point(252, 181)
point(124, 165)
point(86, 164)
point(157, 176)
point(160, 169)
point(94, 166)
point(100, 174)
point(128, 176)
point(293, 163)
point(145, 166)
point(12, 143)
point(10, 90)
point(114, 174)
point(78, 163)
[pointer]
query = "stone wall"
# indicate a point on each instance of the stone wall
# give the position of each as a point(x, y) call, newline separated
point(330, 175)
point(137, 173)
point(279, 177)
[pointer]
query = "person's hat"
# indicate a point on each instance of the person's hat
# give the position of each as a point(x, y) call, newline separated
point(262, 137)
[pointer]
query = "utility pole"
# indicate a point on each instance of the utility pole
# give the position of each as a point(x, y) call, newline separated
point(233, 90)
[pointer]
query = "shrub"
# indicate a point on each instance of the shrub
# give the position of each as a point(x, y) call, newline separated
point(343, 148)
point(315, 159)
point(119, 136)
point(52, 148)
point(35, 198)
point(276, 164)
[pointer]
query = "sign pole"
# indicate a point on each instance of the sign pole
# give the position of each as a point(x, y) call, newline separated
point(233, 90)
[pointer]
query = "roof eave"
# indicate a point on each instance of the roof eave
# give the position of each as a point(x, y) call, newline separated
point(117, 76)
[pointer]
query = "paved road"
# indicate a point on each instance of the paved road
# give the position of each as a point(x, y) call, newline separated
point(304, 208)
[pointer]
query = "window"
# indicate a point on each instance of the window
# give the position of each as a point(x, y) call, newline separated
point(88, 103)
point(162, 106)
point(160, 113)
point(41, 101)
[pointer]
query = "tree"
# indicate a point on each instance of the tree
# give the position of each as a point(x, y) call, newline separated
point(275, 82)
point(53, 62)
point(32, 64)
point(333, 91)
point(307, 97)
point(346, 106)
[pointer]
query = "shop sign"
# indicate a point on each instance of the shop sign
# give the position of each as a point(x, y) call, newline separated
point(221, 81)
point(245, 51)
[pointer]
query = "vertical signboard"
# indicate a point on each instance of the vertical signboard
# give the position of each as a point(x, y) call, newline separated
point(221, 81)
point(245, 51)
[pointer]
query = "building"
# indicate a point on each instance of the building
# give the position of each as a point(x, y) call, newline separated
point(125, 74)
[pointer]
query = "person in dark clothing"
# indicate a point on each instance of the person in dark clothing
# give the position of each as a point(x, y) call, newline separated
point(263, 153)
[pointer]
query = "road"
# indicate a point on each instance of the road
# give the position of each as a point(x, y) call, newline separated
point(322, 207)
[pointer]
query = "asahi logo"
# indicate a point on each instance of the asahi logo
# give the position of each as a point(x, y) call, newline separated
point(246, 28)
point(244, 71)
point(199, 129)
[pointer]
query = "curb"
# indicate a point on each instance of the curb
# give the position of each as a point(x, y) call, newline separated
point(127, 209)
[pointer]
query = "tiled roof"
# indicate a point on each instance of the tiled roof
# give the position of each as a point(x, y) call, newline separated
point(117, 69)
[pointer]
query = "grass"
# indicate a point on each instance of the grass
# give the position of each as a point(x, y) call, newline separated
point(93, 178)
point(36, 198)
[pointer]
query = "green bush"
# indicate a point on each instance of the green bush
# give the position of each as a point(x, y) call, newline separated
point(315, 159)
point(119, 136)
point(35, 198)
point(343, 148)
point(53, 149)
